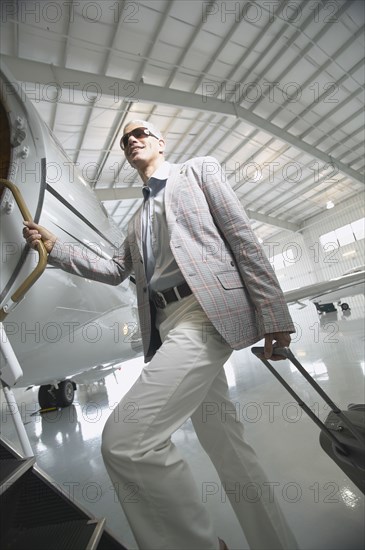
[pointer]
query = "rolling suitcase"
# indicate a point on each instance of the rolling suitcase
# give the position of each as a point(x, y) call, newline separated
point(342, 434)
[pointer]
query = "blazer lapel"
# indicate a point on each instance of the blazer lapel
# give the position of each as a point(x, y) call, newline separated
point(137, 227)
point(172, 191)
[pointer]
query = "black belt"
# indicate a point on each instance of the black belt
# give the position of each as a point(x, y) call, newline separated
point(164, 297)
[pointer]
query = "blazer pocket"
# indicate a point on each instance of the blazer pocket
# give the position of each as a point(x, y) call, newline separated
point(230, 280)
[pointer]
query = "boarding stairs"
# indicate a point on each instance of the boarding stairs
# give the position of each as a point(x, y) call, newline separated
point(37, 515)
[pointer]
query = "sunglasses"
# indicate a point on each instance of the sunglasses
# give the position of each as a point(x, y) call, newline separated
point(138, 133)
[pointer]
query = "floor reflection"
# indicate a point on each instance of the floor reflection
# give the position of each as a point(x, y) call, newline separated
point(324, 508)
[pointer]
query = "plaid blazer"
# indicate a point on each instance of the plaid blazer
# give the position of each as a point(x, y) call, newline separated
point(216, 250)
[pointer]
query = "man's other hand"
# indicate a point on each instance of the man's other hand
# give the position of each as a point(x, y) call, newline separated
point(276, 340)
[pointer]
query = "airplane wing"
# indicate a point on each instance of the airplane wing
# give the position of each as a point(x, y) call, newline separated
point(329, 291)
point(96, 374)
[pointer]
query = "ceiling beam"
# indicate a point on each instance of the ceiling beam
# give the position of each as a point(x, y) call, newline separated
point(135, 192)
point(118, 193)
point(25, 70)
point(270, 220)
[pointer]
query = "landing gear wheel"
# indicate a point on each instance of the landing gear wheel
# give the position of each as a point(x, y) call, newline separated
point(47, 397)
point(65, 393)
point(345, 306)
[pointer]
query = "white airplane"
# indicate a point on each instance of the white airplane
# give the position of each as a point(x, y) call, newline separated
point(65, 326)
point(325, 294)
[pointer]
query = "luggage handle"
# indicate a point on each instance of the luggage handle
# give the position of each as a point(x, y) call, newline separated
point(288, 354)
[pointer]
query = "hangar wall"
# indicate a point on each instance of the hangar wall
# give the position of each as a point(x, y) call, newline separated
point(309, 262)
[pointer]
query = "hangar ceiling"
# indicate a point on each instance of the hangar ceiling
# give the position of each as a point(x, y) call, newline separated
point(274, 89)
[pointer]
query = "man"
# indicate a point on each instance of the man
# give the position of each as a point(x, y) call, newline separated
point(204, 287)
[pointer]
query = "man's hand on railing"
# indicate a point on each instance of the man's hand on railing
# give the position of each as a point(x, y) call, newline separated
point(33, 233)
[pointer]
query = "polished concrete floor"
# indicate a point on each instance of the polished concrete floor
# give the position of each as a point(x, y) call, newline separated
point(324, 508)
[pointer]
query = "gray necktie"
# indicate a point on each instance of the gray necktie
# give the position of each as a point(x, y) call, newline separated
point(149, 260)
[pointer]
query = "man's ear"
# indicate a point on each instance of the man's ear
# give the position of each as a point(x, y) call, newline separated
point(162, 146)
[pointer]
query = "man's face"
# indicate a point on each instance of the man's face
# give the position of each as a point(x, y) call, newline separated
point(144, 150)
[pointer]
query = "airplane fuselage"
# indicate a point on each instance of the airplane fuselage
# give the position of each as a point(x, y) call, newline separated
point(65, 324)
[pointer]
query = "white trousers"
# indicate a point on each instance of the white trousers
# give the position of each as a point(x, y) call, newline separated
point(153, 481)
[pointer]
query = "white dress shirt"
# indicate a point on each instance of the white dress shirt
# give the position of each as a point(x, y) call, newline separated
point(162, 271)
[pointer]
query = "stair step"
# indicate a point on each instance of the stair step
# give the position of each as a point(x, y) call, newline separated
point(69, 535)
point(6, 452)
point(12, 469)
point(35, 501)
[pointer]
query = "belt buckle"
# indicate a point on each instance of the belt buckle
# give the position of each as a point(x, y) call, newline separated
point(159, 300)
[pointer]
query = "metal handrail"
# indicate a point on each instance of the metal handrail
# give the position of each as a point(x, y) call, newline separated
point(41, 249)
